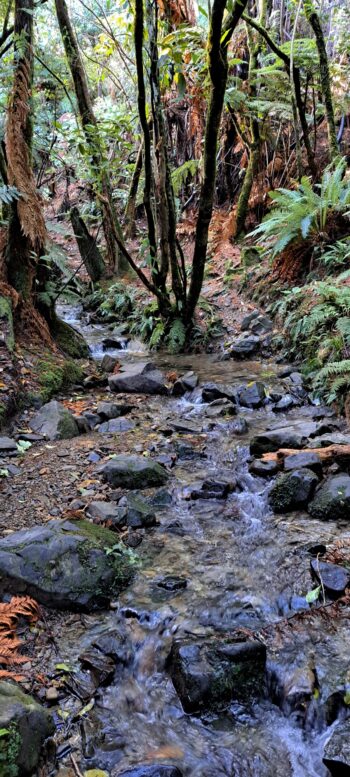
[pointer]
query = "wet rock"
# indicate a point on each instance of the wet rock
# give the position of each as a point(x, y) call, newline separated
point(330, 438)
point(108, 363)
point(184, 450)
point(55, 422)
point(172, 583)
point(293, 490)
point(139, 378)
point(212, 489)
point(221, 407)
point(212, 391)
point(208, 674)
point(263, 469)
point(157, 770)
point(296, 378)
point(133, 472)
point(332, 499)
point(187, 382)
point(27, 725)
point(82, 424)
point(112, 342)
point(162, 498)
point(334, 578)
point(104, 511)
point(116, 425)
point(239, 426)
point(64, 564)
point(6, 444)
point(252, 395)
point(292, 688)
point(285, 437)
point(101, 667)
point(304, 459)
point(244, 347)
point(109, 410)
point(337, 751)
point(284, 404)
point(137, 513)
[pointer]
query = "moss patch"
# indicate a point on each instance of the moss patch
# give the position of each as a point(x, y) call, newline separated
point(70, 341)
point(10, 743)
point(54, 376)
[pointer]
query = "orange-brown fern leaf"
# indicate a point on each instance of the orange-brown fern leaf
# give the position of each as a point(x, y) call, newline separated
point(26, 606)
point(4, 673)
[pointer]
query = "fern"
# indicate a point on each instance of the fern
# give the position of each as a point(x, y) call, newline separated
point(176, 337)
point(8, 194)
point(157, 335)
point(181, 175)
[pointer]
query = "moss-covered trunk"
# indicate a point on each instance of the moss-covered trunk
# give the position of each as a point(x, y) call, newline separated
point(88, 248)
point(130, 210)
point(314, 21)
point(219, 37)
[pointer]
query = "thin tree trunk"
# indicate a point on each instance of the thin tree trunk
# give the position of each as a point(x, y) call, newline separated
point(88, 249)
point(219, 37)
point(130, 210)
point(314, 21)
point(90, 129)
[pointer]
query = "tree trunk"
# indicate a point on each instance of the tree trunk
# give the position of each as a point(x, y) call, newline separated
point(130, 210)
point(88, 249)
point(219, 37)
point(314, 21)
point(90, 129)
point(27, 231)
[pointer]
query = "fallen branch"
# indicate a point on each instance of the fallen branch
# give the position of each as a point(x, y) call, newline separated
point(329, 454)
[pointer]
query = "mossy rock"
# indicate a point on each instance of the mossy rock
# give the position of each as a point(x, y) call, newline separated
point(332, 500)
point(6, 322)
point(54, 376)
point(24, 726)
point(293, 490)
point(65, 565)
point(69, 340)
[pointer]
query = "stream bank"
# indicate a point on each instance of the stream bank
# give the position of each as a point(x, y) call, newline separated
point(214, 563)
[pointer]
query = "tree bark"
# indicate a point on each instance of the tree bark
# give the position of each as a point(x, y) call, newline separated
point(27, 231)
point(130, 210)
point(90, 129)
point(88, 249)
point(219, 37)
point(314, 21)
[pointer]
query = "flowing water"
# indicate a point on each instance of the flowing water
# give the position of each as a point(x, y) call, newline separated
point(245, 568)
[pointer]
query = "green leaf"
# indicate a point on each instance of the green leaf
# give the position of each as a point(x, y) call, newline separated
point(313, 595)
point(4, 732)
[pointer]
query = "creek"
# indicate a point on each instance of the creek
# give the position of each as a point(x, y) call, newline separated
point(245, 568)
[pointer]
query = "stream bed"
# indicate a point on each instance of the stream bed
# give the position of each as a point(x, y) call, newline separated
point(241, 567)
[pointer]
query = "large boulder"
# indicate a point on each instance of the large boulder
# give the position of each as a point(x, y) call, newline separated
point(303, 459)
point(337, 751)
point(55, 422)
point(24, 727)
point(139, 378)
point(64, 564)
point(133, 472)
point(283, 437)
point(244, 347)
point(208, 674)
point(332, 500)
point(293, 490)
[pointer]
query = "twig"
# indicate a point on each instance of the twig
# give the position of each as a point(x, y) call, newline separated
point(76, 767)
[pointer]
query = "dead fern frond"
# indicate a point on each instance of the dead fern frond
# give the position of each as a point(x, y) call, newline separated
point(10, 614)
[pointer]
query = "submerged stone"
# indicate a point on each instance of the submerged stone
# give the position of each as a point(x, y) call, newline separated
point(208, 674)
point(25, 725)
point(133, 472)
point(337, 751)
point(64, 564)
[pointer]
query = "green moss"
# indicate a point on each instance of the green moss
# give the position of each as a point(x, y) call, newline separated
point(54, 376)
point(70, 341)
point(10, 743)
point(7, 322)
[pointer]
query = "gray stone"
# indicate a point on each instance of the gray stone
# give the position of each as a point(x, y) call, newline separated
point(252, 395)
point(55, 422)
point(292, 688)
point(285, 437)
point(244, 347)
point(220, 407)
point(212, 391)
point(82, 424)
point(133, 472)
point(187, 382)
point(209, 674)
point(303, 459)
point(28, 725)
point(137, 513)
point(108, 363)
point(330, 438)
point(64, 564)
point(337, 751)
point(296, 378)
point(292, 490)
point(248, 320)
point(239, 426)
point(332, 499)
point(109, 410)
point(284, 404)
point(263, 469)
point(139, 378)
point(6, 444)
point(334, 577)
point(92, 418)
point(104, 511)
point(116, 425)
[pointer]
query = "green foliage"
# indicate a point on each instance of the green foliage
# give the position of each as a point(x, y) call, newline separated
point(8, 194)
point(304, 213)
point(337, 255)
point(118, 301)
point(182, 174)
